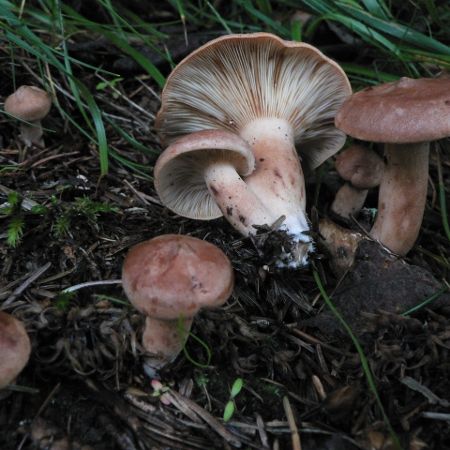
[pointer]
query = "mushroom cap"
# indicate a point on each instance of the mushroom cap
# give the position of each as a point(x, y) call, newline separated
point(179, 171)
point(360, 166)
point(401, 112)
point(173, 276)
point(15, 348)
point(233, 80)
point(28, 103)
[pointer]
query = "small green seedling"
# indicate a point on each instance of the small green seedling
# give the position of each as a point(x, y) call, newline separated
point(15, 210)
point(63, 299)
point(230, 407)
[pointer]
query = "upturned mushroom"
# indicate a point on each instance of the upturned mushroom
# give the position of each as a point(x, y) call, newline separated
point(199, 176)
point(169, 279)
point(362, 169)
point(280, 97)
point(30, 105)
point(15, 348)
point(405, 115)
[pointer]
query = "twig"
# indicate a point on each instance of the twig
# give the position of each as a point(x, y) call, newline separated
point(76, 287)
point(431, 396)
point(208, 418)
point(295, 435)
point(436, 416)
point(33, 277)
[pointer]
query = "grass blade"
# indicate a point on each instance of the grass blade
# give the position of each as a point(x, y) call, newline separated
point(395, 29)
point(426, 302)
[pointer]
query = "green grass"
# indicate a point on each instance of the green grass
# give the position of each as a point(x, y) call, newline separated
point(40, 31)
point(42, 34)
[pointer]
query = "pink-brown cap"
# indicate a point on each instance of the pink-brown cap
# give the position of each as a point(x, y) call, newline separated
point(173, 276)
point(179, 171)
point(360, 166)
point(401, 112)
point(236, 79)
point(15, 348)
point(28, 103)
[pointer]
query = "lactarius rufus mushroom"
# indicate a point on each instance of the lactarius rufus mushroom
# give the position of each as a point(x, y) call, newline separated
point(15, 348)
point(405, 115)
point(30, 105)
point(362, 169)
point(280, 97)
point(199, 176)
point(169, 279)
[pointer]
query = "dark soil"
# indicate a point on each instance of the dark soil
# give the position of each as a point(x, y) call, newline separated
point(84, 387)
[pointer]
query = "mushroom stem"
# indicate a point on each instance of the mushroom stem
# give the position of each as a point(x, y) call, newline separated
point(362, 169)
point(32, 133)
point(348, 201)
point(238, 203)
point(402, 196)
point(164, 340)
point(278, 179)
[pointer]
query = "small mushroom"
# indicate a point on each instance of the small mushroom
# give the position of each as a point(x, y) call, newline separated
point(30, 105)
point(405, 115)
point(362, 169)
point(199, 176)
point(15, 348)
point(279, 96)
point(169, 279)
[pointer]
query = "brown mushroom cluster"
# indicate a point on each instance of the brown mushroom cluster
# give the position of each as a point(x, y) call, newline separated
point(404, 116)
point(243, 116)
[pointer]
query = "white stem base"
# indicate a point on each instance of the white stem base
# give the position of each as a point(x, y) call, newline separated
point(278, 179)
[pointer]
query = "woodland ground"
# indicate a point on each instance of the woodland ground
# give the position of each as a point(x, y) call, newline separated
point(72, 209)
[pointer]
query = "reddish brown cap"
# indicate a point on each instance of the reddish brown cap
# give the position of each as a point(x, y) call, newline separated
point(402, 112)
point(173, 276)
point(28, 103)
point(179, 171)
point(360, 166)
point(235, 79)
point(15, 348)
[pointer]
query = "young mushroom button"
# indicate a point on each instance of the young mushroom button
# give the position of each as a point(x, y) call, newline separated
point(280, 97)
point(169, 279)
point(362, 169)
point(15, 348)
point(29, 104)
point(405, 115)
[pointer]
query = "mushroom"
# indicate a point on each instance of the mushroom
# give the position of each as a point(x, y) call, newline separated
point(15, 348)
point(362, 169)
point(198, 176)
point(30, 105)
point(279, 97)
point(169, 279)
point(405, 115)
